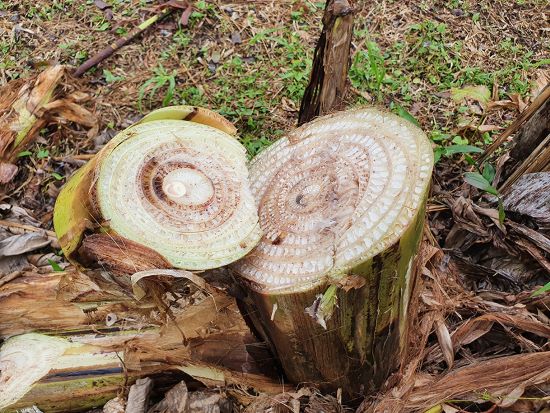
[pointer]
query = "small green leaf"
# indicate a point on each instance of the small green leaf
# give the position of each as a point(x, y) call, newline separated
point(438, 153)
point(110, 77)
point(81, 55)
point(24, 153)
point(401, 111)
point(56, 267)
point(477, 180)
point(459, 140)
point(501, 214)
point(58, 176)
point(489, 172)
point(42, 153)
point(480, 93)
point(542, 290)
point(487, 139)
point(103, 26)
point(438, 136)
point(454, 149)
point(469, 159)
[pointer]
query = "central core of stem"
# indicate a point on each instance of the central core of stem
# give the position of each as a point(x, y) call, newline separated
point(187, 186)
point(308, 194)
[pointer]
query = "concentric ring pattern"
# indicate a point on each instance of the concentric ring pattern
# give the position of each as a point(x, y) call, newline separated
point(180, 188)
point(333, 194)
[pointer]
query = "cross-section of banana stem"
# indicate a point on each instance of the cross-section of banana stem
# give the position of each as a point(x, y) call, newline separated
point(341, 205)
point(171, 191)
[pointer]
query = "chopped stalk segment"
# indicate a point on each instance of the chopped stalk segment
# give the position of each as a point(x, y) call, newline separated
point(343, 195)
point(95, 341)
point(177, 187)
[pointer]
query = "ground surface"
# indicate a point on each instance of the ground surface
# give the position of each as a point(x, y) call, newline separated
point(251, 60)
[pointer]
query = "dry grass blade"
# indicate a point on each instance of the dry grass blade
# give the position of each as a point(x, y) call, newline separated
point(445, 341)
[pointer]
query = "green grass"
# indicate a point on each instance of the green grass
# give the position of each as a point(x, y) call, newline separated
point(242, 85)
point(161, 81)
point(254, 84)
point(423, 66)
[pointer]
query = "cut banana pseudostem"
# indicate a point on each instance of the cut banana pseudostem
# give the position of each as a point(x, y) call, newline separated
point(170, 191)
point(341, 205)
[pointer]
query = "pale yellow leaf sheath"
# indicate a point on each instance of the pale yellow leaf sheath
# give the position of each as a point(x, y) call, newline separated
point(178, 188)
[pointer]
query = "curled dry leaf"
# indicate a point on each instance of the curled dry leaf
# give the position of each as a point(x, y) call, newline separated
point(502, 104)
point(26, 106)
point(541, 80)
point(20, 244)
point(480, 94)
point(445, 342)
point(138, 397)
point(176, 400)
point(17, 214)
point(67, 110)
point(518, 101)
point(139, 291)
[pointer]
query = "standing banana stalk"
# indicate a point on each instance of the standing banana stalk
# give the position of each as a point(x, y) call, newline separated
point(341, 205)
point(171, 191)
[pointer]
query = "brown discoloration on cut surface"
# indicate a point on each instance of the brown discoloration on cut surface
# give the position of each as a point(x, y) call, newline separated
point(192, 114)
point(92, 200)
point(211, 118)
point(119, 255)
